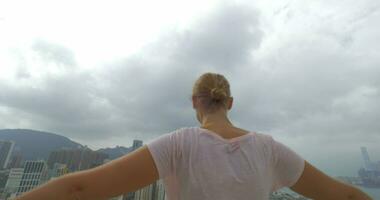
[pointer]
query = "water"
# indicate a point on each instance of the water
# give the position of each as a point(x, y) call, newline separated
point(372, 192)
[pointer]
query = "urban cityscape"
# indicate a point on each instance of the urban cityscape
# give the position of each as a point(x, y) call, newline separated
point(18, 176)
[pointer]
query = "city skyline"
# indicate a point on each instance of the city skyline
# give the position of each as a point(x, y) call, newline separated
point(31, 173)
point(351, 158)
point(99, 157)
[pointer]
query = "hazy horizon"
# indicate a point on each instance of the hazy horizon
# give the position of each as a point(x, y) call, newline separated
point(105, 73)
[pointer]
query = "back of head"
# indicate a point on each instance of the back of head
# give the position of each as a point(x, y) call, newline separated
point(213, 90)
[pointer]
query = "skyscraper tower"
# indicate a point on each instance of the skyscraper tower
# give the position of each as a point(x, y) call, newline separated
point(132, 195)
point(367, 162)
point(6, 148)
point(76, 159)
point(35, 173)
point(13, 181)
point(136, 144)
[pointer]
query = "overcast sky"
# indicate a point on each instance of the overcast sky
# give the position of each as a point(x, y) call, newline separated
point(105, 73)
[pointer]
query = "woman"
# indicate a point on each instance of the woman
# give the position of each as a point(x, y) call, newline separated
point(214, 161)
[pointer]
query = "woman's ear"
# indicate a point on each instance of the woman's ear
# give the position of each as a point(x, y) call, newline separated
point(230, 102)
point(193, 101)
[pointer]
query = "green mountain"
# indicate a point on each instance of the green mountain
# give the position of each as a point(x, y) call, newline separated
point(36, 144)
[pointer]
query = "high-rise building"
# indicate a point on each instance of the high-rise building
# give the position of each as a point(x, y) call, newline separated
point(370, 174)
point(6, 148)
point(368, 164)
point(35, 173)
point(145, 193)
point(15, 161)
point(136, 144)
point(154, 191)
point(77, 159)
point(365, 155)
point(3, 178)
point(160, 191)
point(58, 170)
point(13, 182)
point(129, 196)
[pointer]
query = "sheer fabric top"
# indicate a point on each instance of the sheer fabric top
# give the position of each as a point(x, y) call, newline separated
point(197, 163)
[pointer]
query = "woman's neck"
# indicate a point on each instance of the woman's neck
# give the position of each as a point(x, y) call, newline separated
point(212, 121)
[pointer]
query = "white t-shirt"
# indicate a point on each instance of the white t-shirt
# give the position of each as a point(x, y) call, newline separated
point(198, 164)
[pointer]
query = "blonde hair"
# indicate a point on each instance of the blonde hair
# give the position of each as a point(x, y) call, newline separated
point(213, 90)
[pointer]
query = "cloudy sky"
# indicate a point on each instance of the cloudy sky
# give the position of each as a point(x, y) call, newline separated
point(105, 73)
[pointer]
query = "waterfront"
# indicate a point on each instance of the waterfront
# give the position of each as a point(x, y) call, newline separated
point(372, 192)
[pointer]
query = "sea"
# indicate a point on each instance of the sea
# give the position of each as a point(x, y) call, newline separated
point(372, 192)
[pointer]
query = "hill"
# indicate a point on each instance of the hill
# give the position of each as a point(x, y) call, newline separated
point(115, 152)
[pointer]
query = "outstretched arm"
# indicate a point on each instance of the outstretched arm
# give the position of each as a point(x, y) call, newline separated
point(316, 185)
point(126, 174)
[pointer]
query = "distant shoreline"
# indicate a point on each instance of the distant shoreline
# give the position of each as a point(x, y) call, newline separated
point(373, 192)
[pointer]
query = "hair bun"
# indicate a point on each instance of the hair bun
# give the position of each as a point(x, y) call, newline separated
point(218, 94)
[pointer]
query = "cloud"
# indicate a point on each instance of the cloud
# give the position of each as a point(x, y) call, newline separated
point(307, 76)
point(154, 88)
point(225, 40)
point(142, 94)
point(54, 53)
